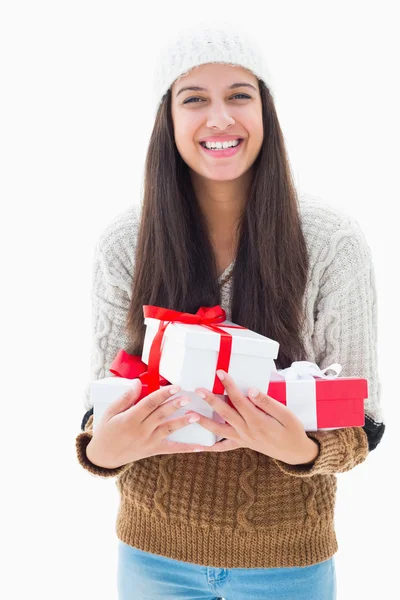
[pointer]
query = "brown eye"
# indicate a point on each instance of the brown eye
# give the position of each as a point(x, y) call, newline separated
point(189, 100)
point(197, 98)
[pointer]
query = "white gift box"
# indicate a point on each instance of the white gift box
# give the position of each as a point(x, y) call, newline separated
point(189, 355)
point(104, 392)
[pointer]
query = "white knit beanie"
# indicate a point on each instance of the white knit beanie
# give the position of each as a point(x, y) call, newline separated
point(216, 42)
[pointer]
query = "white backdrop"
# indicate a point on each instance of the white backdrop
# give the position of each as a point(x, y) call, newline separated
point(75, 121)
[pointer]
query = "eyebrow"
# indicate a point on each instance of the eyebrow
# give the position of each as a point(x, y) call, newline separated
point(196, 88)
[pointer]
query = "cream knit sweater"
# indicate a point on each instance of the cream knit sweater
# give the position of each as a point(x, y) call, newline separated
point(242, 508)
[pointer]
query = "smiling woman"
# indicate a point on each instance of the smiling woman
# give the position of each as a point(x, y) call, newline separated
point(219, 134)
point(222, 223)
point(218, 117)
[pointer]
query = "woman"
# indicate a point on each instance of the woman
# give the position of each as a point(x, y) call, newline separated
point(252, 516)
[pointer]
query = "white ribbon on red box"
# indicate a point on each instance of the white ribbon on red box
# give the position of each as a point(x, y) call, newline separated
point(301, 395)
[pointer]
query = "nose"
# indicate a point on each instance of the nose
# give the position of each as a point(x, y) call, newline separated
point(219, 117)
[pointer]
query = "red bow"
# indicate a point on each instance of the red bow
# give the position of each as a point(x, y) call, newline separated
point(205, 316)
point(132, 367)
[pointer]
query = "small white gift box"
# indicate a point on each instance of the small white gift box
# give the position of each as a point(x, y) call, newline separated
point(189, 355)
point(105, 391)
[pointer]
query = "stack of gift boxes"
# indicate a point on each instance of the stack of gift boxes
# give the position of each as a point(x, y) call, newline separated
point(187, 349)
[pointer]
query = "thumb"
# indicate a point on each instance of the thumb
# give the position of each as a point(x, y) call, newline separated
point(127, 399)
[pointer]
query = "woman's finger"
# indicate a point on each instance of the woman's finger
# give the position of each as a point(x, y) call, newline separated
point(271, 407)
point(244, 405)
point(229, 414)
point(223, 429)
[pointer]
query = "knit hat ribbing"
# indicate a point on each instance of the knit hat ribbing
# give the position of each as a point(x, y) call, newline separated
point(217, 42)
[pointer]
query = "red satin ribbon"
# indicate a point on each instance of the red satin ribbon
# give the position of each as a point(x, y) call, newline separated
point(132, 367)
point(205, 316)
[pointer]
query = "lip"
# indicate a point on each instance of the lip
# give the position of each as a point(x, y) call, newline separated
point(223, 153)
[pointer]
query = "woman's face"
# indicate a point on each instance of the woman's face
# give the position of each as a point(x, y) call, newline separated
point(217, 112)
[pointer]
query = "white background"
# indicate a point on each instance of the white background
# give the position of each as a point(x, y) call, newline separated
point(75, 123)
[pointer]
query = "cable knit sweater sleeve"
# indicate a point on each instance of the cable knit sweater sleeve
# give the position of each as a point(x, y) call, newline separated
point(345, 331)
point(111, 293)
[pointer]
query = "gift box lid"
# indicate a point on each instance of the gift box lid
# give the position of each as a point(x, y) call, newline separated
point(244, 341)
point(326, 389)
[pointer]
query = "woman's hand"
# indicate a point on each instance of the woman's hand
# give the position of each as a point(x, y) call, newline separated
point(259, 422)
point(130, 430)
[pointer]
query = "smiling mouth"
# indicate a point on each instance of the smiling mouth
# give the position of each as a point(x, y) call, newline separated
point(239, 140)
point(223, 152)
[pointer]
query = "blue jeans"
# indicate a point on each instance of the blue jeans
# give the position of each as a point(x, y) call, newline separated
point(146, 576)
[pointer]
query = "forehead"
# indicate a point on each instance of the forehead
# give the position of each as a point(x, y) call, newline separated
point(215, 76)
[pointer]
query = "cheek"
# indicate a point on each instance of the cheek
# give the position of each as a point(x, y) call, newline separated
point(185, 135)
point(254, 124)
point(255, 127)
point(256, 137)
point(184, 146)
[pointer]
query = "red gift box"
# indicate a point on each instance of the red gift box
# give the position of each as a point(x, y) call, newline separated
point(336, 402)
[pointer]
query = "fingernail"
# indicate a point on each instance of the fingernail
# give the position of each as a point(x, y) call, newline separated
point(253, 392)
point(174, 389)
point(193, 418)
point(220, 374)
point(198, 450)
point(184, 401)
point(201, 394)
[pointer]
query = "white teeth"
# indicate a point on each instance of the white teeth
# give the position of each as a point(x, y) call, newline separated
point(220, 145)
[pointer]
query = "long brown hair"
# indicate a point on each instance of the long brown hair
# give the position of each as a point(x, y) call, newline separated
point(175, 266)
